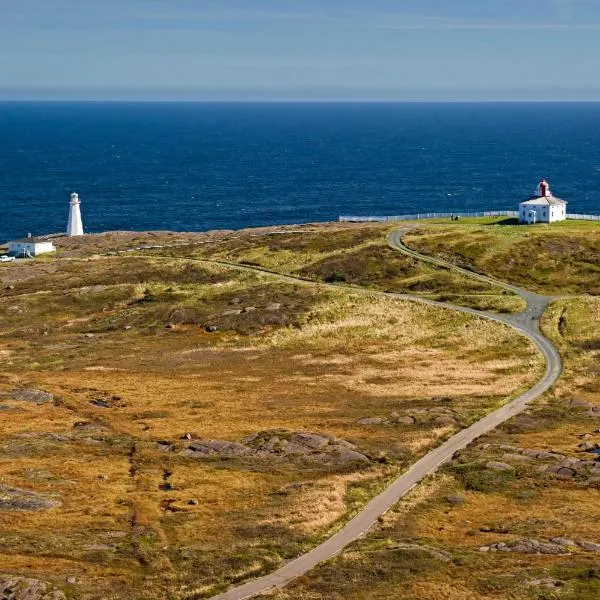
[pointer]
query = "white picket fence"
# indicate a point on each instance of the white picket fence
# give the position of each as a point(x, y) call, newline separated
point(447, 215)
point(583, 217)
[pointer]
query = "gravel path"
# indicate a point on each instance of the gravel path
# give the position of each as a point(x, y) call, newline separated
point(526, 323)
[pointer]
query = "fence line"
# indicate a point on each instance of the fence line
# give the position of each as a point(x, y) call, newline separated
point(447, 215)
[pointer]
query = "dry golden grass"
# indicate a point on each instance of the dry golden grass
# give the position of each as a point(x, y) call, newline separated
point(523, 505)
point(320, 362)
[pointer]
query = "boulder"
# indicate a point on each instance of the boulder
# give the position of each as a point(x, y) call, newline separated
point(455, 499)
point(274, 306)
point(498, 466)
point(550, 456)
point(311, 440)
point(588, 546)
point(29, 395)
point(565, 472)
point(16, 499)
point(372, 421)
point(13, 587)
point(406, 420)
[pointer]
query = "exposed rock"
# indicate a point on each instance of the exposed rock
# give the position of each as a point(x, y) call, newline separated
point(208, 448)
point(578, 403)
point(530, 452)
point(278, 444)
point(508, 448)
point(29, 395)
point(455, 499)
point(498, 466)
point(210, 329)
point(550, 456)
point(229, 313)
point(588, 546)
point(274, 306)
point(23, 500)
point(313, 440)
point(13, 587)
point(557, 545)
point(565, 542)
point(249, 309)
point(528, 547)
point(586, 446)
point(372, 421)
point(407, 420)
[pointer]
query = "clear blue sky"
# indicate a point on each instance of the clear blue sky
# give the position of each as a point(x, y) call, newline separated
point(300, 49)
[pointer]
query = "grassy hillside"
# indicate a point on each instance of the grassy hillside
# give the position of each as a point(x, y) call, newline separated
point(115, 372)
point(441, 542)
point(357, 255)
point(562, 258)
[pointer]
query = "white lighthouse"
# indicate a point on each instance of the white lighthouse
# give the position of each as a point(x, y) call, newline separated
point(75, 226)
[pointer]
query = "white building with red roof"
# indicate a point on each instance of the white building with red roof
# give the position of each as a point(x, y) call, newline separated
point(542, 207)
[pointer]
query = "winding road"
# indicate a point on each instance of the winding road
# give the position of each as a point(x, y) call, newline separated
point(526, 322)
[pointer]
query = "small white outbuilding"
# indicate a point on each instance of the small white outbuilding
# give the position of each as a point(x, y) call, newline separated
point(29, 247)
point(542, 207)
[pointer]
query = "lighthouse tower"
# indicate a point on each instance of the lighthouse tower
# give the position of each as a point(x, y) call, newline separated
point(75, 226)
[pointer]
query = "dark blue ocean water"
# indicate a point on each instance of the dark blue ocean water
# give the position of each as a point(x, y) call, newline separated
point(204, 166)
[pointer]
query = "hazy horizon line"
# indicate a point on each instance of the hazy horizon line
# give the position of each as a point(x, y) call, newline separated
point(26, 100)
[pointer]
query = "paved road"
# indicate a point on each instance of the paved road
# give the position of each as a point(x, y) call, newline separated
point(526, 323)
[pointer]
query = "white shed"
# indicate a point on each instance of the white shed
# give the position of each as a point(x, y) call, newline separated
point(542, 207)
point(29, 247)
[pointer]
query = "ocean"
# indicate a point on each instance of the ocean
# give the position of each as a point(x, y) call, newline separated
point(201, 166)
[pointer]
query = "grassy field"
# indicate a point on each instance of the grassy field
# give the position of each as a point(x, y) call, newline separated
point(354, 255)
point(436, 543)
point(146, 355)
point(562, 258)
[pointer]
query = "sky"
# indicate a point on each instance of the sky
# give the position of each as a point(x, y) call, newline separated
point(403, 50)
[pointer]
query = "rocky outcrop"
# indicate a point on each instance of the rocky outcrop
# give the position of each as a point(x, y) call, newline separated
point(436, 416)
point(13, 587)
point(557, 545)
point(592, 410)
point(560, 465)
point(12, 498)
point(29, 395)
point(278, 444)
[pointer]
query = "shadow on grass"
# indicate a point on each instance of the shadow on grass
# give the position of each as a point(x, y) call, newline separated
point(508, 221)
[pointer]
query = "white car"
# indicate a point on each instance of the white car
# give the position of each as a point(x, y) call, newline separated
point(6, 258)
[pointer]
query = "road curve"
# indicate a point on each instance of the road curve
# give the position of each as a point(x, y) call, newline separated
point(527, 323)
